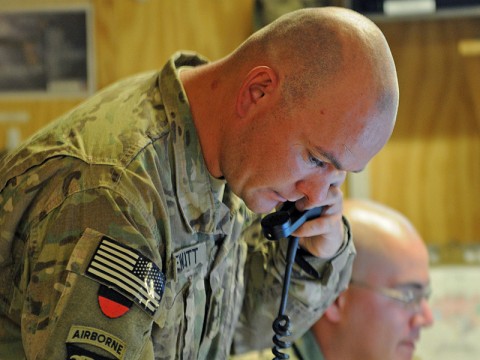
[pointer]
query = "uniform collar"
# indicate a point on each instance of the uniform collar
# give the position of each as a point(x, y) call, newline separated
point(199, 197)
point(307, 347)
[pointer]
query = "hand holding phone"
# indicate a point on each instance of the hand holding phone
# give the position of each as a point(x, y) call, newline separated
point(282, 223)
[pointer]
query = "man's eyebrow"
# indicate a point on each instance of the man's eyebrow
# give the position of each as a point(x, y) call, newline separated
point(413, 284)
point(357, 171)
point(330, 157)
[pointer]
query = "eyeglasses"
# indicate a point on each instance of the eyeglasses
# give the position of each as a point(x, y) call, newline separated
point(411, 295)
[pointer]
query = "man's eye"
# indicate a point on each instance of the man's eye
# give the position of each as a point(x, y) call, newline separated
point(317, 162)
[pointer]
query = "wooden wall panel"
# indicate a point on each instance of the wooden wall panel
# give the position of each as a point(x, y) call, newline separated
point(430, 170)
point(37, 112)
point(138, 35)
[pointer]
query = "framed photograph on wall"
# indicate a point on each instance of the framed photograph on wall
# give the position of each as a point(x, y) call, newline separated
point(46, 51)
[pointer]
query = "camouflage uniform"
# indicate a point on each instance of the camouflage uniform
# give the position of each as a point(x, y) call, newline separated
point(116, 243)
point(305, 348)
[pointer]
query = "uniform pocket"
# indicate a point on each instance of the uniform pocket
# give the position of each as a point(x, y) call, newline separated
point(178, 327)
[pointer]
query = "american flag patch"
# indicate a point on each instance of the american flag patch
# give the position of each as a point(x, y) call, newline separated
point(128, 272)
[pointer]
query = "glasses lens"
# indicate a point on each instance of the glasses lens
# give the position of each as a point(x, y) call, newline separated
point(409, 294)
point(414, 294)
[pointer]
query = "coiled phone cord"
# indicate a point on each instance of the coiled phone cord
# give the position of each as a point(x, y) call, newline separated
point(278, 225)
point(281, 325)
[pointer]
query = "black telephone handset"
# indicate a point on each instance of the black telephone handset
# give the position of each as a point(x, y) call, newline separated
point(282, 223)
point(278, 225)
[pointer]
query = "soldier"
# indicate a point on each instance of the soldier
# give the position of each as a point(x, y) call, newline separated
point(381, 314)
point(129, 228)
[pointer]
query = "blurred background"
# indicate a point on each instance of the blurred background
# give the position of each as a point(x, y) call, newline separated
point(55, 54)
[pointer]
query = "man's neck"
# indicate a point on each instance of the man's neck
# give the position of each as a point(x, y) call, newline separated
point(200, 86)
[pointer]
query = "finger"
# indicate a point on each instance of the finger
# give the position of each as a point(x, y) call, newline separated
point(320, 226)
point(326, 244)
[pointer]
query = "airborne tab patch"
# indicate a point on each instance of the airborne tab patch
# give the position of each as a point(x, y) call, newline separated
point(129, 272)
point(97, 338)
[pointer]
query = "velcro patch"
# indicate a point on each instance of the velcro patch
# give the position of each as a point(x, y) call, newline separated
point(112, 303)
point(129, 272)
point(77, 353)
point(97, 338)
point(187, 259)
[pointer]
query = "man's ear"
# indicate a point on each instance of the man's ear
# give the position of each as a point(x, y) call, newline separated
point(334, 312)
point(260, 81)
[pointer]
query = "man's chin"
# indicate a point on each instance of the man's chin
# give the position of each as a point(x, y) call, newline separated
point(406, 350)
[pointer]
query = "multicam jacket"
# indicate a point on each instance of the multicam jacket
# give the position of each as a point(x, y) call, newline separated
point(116, 243)
point(305, 348)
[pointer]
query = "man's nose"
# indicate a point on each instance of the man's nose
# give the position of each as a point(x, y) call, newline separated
point(425, 316)
point(315, 186)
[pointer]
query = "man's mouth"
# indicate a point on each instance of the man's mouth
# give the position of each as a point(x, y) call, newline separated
point(409, 344)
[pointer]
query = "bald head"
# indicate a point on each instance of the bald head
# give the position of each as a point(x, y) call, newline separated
point(382, 237)
point(312, 47)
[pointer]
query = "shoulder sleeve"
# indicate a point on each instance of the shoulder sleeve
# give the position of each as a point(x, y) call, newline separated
point(85, 295)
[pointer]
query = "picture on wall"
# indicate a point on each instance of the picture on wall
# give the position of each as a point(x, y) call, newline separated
point(46, 51)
